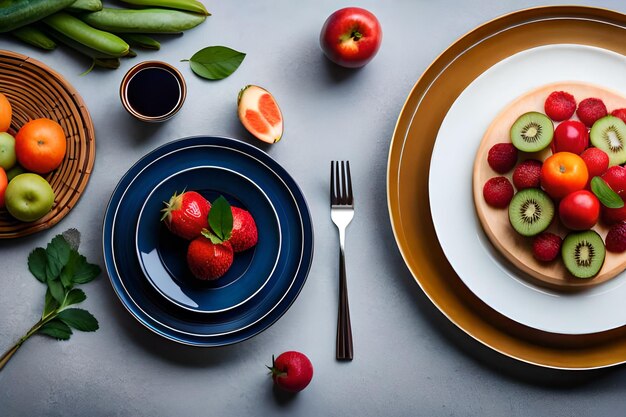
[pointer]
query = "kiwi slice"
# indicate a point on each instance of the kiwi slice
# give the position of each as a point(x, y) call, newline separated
point(609, 134)
point(532, 132)
point(583, 253)
point(531, 211)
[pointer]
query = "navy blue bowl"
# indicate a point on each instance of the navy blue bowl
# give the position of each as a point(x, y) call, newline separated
point(209, 322)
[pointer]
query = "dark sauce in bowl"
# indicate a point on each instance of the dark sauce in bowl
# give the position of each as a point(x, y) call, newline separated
point(153, 92)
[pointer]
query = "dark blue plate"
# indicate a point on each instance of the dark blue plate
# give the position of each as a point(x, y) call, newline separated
point(158, 312)
point(162, 255)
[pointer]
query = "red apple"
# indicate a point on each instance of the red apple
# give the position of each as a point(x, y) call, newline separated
point(351, 37)
point(579, 210)
point(570, 136)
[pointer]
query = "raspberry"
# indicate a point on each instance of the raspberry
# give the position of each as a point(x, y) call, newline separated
point(546, 246)
point(590, 110)
point(502, 157)
point(498, 192)
point(621, 113)
point(527, 174)
point(597, 161)
point(616, 238)
point(560, 106)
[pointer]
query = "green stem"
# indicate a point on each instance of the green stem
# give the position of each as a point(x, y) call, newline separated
point(4, 359)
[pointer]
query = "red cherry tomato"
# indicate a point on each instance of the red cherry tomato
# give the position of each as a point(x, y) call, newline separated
point(579, 210)
point(570, 136)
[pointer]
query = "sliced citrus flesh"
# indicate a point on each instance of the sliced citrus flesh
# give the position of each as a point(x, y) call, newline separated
point(259, 113)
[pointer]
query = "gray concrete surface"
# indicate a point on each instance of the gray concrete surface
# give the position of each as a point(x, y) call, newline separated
point(409, 360)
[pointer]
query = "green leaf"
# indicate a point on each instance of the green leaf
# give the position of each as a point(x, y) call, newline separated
point(56, 290)
point(75, 296)
point(221, 218)
point(85, 272)
point(69, 270)
point(57, 329)
point(216, 62)
point(605, 193)
point(209, 235)
point(58, 251)
point(79, 319)
point(37, 261)
point(50, 304)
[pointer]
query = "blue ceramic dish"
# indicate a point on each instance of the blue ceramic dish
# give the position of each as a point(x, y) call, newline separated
point(238, 321)
point(162, 254)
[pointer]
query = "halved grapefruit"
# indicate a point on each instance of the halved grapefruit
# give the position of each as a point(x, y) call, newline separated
point(259, 113)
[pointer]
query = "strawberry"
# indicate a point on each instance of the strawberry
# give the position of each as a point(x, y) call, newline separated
point(210, 255)
point(208, 260)
point(615, 176)
point(527, 174)
point(502, 157)
point(590, 110)
point(546, 247)
point(560, 106)
point(621, 113)
point(614, 215)
point(244, 235)
point(616, 238)
point(597, 162)
point(292, 371)
point(498, 192)
point(186, 214)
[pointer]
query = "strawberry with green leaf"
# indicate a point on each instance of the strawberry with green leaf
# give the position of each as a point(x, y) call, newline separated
point(61, 267)
point(210, 256)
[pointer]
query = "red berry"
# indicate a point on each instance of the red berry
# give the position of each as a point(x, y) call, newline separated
point(597, 162)
point(208, 260)
point(590, 110)
point(292, 371)
point(614, 215)
point(186, 214)
point(498, 192)
point(621, 113)
point(244, 234)
point(616, 238)
point(527, 174)
point(546, 246)
point(560, 106)
point(615, 176)
point(502, 157)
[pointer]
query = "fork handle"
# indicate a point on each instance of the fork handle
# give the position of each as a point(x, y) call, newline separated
point(344, 329)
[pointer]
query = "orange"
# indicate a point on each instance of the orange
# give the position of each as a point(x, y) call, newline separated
point(563, 173)
point(40, 145)
point(6, 112)
point(3, 185)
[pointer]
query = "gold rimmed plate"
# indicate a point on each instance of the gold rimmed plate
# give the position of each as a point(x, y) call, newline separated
point(408, 178)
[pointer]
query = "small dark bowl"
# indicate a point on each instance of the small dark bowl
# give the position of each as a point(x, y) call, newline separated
point(153, 64)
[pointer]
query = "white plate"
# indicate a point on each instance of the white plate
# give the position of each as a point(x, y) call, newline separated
point(488, 275)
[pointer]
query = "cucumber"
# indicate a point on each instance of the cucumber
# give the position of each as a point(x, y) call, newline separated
point(85, 6)
point(143, 20)
point(33, 36)
point(17, 13)
point(188, 5)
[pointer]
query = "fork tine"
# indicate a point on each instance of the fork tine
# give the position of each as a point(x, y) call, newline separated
point(349, 196)
point(333, 197)
point(338, 192)
point(344, 187)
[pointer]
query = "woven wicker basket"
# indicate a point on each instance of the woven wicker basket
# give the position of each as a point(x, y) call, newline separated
point(34, 90)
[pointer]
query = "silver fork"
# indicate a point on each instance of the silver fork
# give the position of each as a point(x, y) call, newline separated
point(341, 213)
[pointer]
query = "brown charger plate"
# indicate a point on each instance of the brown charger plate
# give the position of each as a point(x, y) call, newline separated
point(408, 172)
point(34, 90)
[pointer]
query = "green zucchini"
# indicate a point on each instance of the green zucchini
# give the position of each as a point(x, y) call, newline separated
point(193, 6)
point(17, 13)
point(34, 36)
point(143, 20)
point(74, 28)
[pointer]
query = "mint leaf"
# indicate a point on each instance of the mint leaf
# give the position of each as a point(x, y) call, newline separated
point(57, 329)
point(605, 193)
point(75, 296)
point(58, 252)
point(215, 62)
point(50, 304)
point(69, 270)
point(79, 319)
point(214, 239)
point(85, 272)
point(56, 290)
point(221, 218)
point(37, 261)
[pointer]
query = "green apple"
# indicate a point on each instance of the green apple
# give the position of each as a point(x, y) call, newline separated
point(29, 197)
point(15, 171)
point(7, 151)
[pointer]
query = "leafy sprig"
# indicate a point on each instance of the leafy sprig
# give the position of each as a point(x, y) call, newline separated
point(61, 267)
